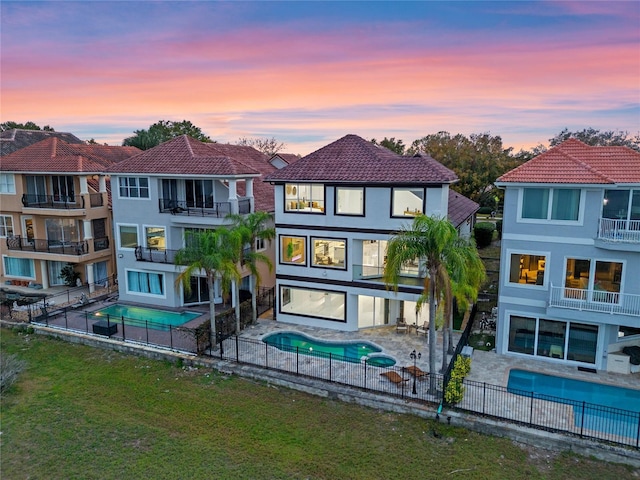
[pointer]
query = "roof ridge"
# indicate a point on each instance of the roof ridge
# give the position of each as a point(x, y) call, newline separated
point(583, 163)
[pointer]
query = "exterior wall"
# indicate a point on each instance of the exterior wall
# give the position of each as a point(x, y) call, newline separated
point(12, 205)
point(376, 224)
point(557, 243)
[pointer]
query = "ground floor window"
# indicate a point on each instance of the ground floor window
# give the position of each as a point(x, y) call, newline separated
point(308, 302)
point(55, 271)
point(19, 267)
point(372, 311)
point(145, 282)
point(552, 338)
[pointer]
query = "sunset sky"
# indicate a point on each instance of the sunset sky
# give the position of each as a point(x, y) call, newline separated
point(308, 73)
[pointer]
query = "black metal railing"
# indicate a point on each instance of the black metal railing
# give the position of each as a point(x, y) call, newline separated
point(96, 200)
point(100, 244)
point(201, 209)
point(53, 201)
point(154, 254)
point(47, 246)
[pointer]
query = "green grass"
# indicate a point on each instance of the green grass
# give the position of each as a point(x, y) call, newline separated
point(82, 413)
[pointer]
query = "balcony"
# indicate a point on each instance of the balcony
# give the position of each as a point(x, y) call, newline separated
point(408, 277)
point(156, 255)
point(47, 246)
point(619, 231)
point(595, 301)
point(202, 209)
point(53, 201)
point(96, 200)
point(100, 244)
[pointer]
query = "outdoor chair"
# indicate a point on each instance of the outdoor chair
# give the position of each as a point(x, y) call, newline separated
point(401, 325)
point(394, 377)
point(415, 371)
point(423, 329)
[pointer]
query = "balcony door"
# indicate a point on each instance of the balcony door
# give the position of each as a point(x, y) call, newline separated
point(36, 188)
point(199, 193)
point(62, 188)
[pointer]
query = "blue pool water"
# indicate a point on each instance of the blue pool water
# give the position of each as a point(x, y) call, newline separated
point(141, 316)
point(601, 407)
point(349, 351)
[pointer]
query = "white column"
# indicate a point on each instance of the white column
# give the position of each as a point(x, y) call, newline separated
point(44, 273)
point(88, 231)
point(83, 185)
point(90, 278)
point(233, 196)
point(102, 183)
point(249, 187)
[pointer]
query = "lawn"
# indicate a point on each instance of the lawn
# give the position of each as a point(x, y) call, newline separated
point(79, 412)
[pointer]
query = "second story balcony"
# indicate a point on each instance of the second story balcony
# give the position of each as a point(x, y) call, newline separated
point(156, 255)
point(202, 209)
point(619, 231)
point(47, 246)
point(64, 202)
point(595, 301)
point(408, 277)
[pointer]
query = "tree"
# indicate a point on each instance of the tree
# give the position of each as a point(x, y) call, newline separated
point(594, 137)
point(23, 126)
point(477, 160)
point(252, 227)
point(212, 252)
point(435, 242)
point(392, 144)
point(162, 131)
point(268, 146)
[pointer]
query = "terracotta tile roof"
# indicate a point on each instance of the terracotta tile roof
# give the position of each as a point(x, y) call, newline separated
point(286, 157)
point(353, 159)
point(460, 208)
point(17, 138)
point(57, 156)
point(184, 155)
point(574, 162)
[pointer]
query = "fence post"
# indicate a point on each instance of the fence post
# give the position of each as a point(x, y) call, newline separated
point(531, 411)
point(582, 420)
point(365, 373)
point(237, 349)
point(266, 355)
point(297, 360)
point(124, 337)
point(638, 433)
point(146, 328)
point(484, 395)
point(86, 319)
point(171, 337)
point(329, 366)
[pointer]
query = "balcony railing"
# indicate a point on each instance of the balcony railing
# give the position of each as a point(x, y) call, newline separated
point(204, 209)
point(623, 231)
point(53, 201)
point(47, 246)
point(408, 276)
point(96, 200)
point(100, 244)
point(595, 301)
point(156, 255)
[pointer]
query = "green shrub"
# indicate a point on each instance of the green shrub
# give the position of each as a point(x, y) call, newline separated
point(499, 228)
point(454, 393)
point(483, 233)
point(485, 210)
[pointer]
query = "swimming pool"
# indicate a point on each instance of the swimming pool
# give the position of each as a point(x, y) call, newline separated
point(143, 316)
point(350, 351)
point(605, 408)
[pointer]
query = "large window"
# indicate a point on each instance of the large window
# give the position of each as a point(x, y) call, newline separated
point(7, 183)
point(597, 281)
point(304, 197)
point(199, 193)
point(328, 253)
point(155, 237)
point(6, 225)
point(553, 339)
point(562, 204)
point(128, 236)
point(407, 202)
point(293, 250)
point(134, 187)
point(145, 283)
point(349, 200)
point(61, 230)
point(621, 205)
point(36, 188)
point(19, 267)
point(63, 190)
point(199, 291)
point(527, 269)
point(324, 304)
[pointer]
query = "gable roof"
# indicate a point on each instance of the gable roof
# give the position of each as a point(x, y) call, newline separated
point(352, 159)
point(460, 208)
point(17, 138)
point(575, 162)
point(287, 158)
point(184, 155)
point(57, 156)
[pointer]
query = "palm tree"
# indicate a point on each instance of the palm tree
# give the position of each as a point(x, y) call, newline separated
point(252, 227)
point(435, 242)
point(212, 252)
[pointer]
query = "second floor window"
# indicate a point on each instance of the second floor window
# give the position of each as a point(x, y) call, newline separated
point(7, 183)
point(349, 201)
point(561, 204)
point(6, 225)
point(304, 197)
point(407, 202)
point(63, 190)
point(134, 187)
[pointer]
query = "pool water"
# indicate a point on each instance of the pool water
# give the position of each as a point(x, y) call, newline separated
point(141, 316)
point(348, 351)
point(605, 408)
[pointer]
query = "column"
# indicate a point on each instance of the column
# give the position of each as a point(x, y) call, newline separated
point(90, 278)
point(249, 187)
point(233, 196)
point(44, 273)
